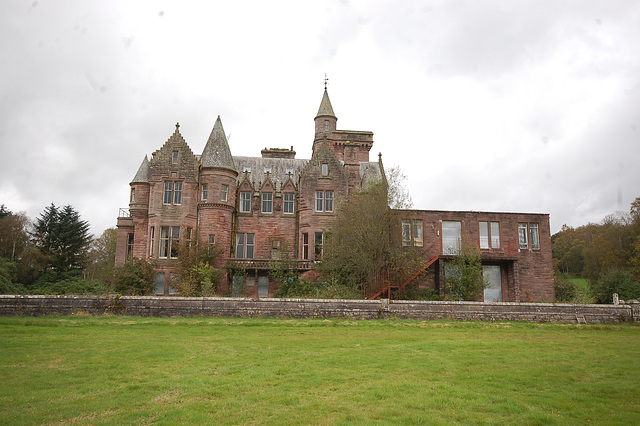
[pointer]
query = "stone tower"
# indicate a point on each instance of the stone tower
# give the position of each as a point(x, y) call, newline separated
point(216, 206)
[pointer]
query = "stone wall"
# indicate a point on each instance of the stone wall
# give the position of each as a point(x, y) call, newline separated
point(12, 305)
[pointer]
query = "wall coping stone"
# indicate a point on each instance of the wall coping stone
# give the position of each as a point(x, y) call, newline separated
point(35, 305)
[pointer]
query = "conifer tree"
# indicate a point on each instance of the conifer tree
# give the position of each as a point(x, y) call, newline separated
point(63, 237)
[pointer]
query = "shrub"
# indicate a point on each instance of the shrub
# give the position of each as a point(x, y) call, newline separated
point(333, 289)
point(464, 279)
point(297, 288)
point(198, 280)
point(8, 273)
point(72, 286)
point(616, 281)
point(412, 293)
point(134, 278)
point(566, 290)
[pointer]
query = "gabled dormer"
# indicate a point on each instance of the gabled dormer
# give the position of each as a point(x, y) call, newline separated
point(174, 160)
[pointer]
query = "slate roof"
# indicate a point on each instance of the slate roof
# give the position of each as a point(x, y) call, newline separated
point(369, 171)
point(280, 168)
point(325, 106)
point(142, 176)
point(216, 152)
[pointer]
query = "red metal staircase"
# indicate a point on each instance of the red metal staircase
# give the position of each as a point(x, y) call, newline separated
point(401, 286)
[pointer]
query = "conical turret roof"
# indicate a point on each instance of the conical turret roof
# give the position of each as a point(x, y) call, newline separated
point(216, 152)
point(325, 107)
point(142, 176)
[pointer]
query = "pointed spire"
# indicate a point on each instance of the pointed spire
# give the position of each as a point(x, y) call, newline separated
point(325, 106)
point(216, 152)
point(142, 176)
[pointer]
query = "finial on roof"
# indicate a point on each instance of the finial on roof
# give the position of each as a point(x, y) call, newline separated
point(177, 126)
point(379, 156)
point(325, 81)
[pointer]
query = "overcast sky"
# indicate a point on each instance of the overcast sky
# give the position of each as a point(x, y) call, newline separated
point(511, 105)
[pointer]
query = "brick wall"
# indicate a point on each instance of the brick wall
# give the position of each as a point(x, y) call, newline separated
point(11, 305)
point(527, 274)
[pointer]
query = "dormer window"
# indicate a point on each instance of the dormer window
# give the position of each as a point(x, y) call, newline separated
point(174, 157)
point(325, 169)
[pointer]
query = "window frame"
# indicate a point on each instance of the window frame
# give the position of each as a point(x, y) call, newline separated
point(245, 245)
point(318, 246)
point(534, 237)
point(410, 228)
point(406, 232)
point(204, 193)
point(305, 245)
point(455, 248)
point(319, 201)
point(494, 237)
point(418, 241)
point(224, 192)
point(324, 201)
point(130, 243)
point(267, 202)
point(324, 169)
point(167, 194)
point(245, 202)
point(174, 242)
point(175, 157)
point(152, 232)
point(290, 203)
point(485, 238)
point(523, 231)
point(177, 192)
point(328, 201)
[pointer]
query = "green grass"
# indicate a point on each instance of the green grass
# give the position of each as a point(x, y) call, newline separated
point(585, 295)
point(123, 370)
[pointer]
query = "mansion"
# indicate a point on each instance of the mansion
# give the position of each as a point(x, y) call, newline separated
point(253, 209)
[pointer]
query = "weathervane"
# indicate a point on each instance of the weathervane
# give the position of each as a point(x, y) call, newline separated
point(325, 81)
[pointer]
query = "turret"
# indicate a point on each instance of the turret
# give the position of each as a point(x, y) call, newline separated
point(217, 195)
point(325, 121)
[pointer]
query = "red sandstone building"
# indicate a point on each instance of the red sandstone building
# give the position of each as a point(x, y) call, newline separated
point(254, 208)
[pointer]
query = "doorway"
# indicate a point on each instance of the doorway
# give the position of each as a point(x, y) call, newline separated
point(493, 275)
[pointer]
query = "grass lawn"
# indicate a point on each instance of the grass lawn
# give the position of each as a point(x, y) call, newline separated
point(584, 290)
point(115, 370)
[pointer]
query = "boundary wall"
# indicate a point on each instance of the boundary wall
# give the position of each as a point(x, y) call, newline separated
point(150, 306)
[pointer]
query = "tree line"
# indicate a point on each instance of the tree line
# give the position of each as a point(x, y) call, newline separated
point(607, 254)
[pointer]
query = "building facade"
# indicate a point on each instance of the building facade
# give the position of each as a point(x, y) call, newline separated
point(254, 210)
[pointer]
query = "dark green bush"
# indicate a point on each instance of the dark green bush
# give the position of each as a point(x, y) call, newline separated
point(297, 288)
point(412, 293)
point(8, 273)
point(71, 286)
point(134, 278)
point(616, 281)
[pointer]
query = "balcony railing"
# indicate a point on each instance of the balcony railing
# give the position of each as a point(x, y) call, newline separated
point(301, 265)
point(123, 213)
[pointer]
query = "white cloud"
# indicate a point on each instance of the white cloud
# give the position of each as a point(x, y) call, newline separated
point(492, 105)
